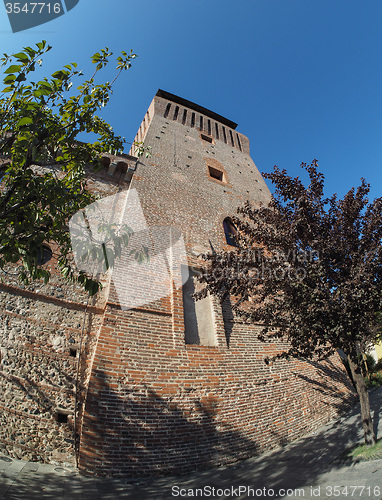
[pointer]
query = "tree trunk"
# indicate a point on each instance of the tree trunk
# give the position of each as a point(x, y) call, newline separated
point(363, 395)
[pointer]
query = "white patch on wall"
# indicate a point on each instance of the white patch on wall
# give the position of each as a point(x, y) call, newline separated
point(112, 234)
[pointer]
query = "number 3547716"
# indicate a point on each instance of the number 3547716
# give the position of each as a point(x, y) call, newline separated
point(32, 8)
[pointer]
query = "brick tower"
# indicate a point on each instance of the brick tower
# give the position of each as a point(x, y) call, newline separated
point(174, 384)
point(143, 379)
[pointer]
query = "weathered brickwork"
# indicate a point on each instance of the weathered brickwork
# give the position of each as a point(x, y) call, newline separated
point(154, 407)
point(149, 400)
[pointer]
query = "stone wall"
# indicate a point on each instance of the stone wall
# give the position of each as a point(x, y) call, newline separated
point(48, 334)
point(39, 345)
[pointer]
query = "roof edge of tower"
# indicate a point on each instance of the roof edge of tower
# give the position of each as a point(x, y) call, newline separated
point(196, 107)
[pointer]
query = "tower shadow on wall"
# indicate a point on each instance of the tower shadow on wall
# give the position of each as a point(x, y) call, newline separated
point(324, 382)
point(150, 433)
point(173, 445)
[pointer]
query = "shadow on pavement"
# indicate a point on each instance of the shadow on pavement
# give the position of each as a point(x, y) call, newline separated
point(297, 465)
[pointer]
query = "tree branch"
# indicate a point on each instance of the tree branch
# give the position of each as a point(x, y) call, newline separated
point(17, 206)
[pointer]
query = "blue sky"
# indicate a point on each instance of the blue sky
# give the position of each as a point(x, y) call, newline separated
point(302, 78)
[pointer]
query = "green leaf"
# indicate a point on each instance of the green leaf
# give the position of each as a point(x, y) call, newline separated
point(15, 68)
point(21, 56)
point(42, 91)
point(30, 51)
point(60, 75)
point(41, 45)
point(9, 79)
point(22, 142)
point(26, 120)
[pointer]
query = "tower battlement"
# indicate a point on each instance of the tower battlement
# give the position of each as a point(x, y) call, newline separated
point(214, 126)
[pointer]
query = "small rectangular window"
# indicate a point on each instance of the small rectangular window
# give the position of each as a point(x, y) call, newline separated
point(215, 173)
point(206, 138)
point(193, 120)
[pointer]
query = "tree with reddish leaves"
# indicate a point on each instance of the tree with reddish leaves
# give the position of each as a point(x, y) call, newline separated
point(309, 270)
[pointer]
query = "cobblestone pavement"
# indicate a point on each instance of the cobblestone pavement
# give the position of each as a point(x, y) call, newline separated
point(309, 468)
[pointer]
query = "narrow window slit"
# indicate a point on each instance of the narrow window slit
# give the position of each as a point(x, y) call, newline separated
point(167, 110)
point(230, 232)
point(232, 141)
point(238, 141)
point(224, 135)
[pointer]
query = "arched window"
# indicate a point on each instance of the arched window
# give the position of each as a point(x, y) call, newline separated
point(230, 232)
point(120, 170)
point(105, 161)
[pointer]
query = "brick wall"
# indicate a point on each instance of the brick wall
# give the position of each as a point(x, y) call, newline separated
point(153, 407)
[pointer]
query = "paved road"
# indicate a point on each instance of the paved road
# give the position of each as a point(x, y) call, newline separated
point(308, 468)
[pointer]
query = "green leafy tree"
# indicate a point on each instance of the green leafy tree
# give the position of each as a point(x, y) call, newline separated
point(309, 269)
point(42, 162)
